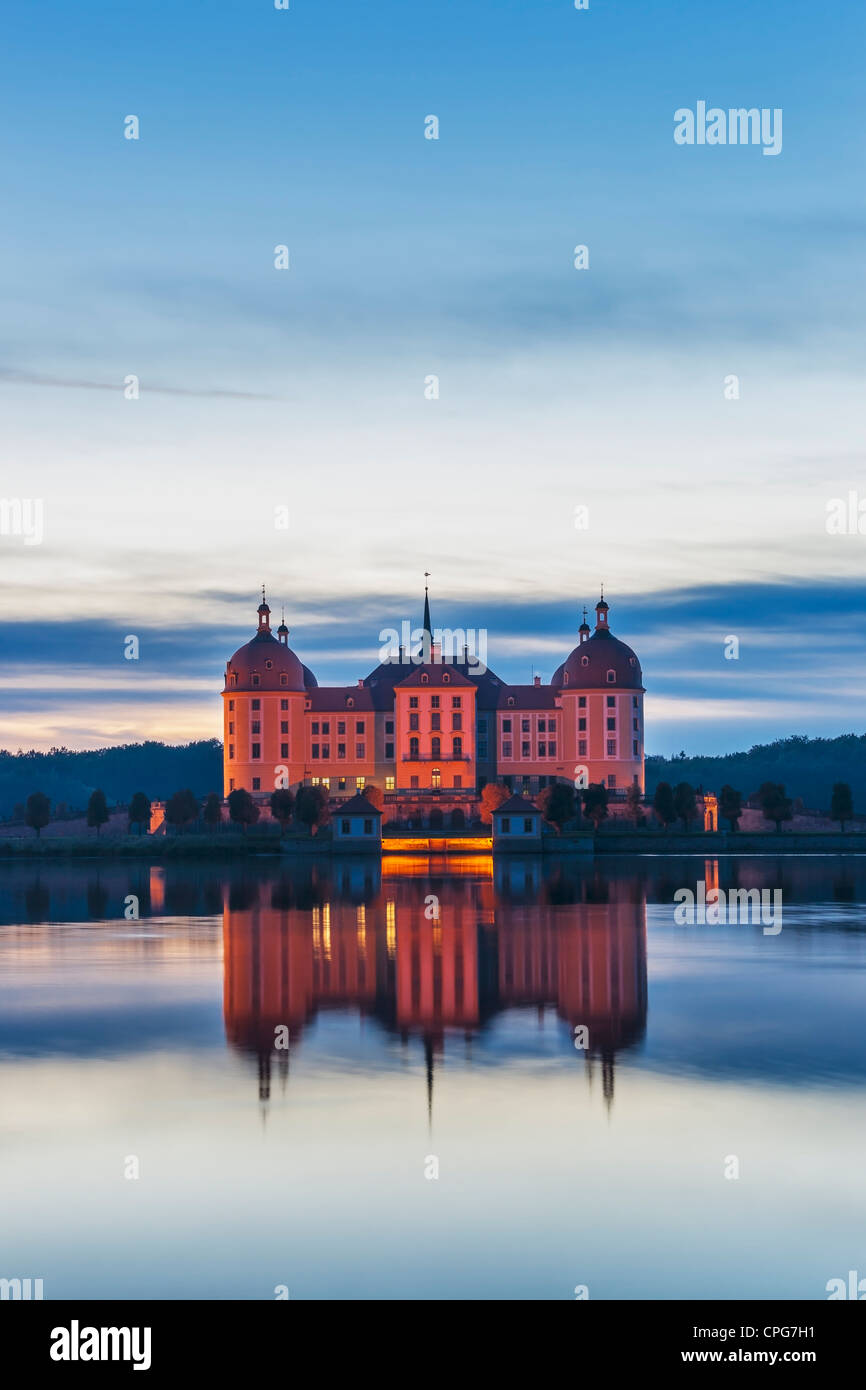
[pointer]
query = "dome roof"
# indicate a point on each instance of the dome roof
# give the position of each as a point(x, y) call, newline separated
point(272, 662)
point(589, 665)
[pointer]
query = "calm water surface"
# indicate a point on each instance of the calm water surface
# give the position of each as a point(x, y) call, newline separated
point(414, 1043)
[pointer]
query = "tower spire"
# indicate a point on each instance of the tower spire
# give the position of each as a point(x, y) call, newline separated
point(427, 628)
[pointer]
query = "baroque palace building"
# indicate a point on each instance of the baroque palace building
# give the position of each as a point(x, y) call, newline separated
point(429, 725)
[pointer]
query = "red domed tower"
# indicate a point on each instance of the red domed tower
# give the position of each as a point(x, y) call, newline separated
point(601, 691)
point(263, 712)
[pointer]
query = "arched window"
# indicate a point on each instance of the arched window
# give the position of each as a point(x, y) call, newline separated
point(511, 699)
point(350, 703)
point(457, 747)
point(424, 678)
point(413, 748)
point(446, 679)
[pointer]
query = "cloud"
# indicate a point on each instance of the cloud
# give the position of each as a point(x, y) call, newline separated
point(18, 377)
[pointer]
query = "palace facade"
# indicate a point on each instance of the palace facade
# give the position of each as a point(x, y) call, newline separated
point(428, 724)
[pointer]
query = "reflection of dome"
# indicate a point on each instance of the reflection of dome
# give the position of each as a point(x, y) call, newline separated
point(595, 657)
point(271, 662)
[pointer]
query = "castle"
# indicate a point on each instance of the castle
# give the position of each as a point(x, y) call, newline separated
point(430, 727)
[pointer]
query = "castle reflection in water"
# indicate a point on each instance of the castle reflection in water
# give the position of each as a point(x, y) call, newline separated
point(365, 938)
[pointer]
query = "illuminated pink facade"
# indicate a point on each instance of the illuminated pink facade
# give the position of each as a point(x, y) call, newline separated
point(443, 726)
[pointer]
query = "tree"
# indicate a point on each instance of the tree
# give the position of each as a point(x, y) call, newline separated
point(139, 811)
point(730, 806)
point(37, 812)
point(242, 809)
point(775, 805)
point(97, 810)
point(311, 807)
point(663, 804)
point(684, 804)
point(558, 804)
point(841, 806)
point(212, 811)
point(374, 795)
point(181, 808)
point(282, 805)
point(634, 801)
point(493, 795)
point(595, 803)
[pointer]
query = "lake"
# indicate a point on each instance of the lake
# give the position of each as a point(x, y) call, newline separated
point(430, 1080)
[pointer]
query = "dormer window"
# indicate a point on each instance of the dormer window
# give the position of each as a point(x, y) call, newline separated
point(611, 677)
point(284, 680)
point(268, 665)
point(584, 661)
point(350, 703)
point(511, 699)
point(425, 678)
point(446, 679)
point(257, 680)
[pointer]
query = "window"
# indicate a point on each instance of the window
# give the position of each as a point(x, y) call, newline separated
point(434, 701)
point(584, 661)
point(413, 748)
point(506, 726)
point(257, 782)
point(284, 750)
point(360, 783)
point(389, 784)
point(284, 704)
point(231, 784)
point(634, 748)
point(359, 726)
point(231, 704)
point(284, 726)
point(234, 680)
point(527, 825)
point(368, 827)
point(269, 665)
point(232, 726)
point(315, 781)
point(315, 750)
point(436, 747)
point(413, 701)
point(255, 727)
point(256, 704)
point(360, 750)
point(524, 726)
point(389, 726)
point(344, 827)
point(611, 677)
point(525, 750)
point(457, 721)
point(446, 679)
point(413, 783)
point(458, 783)
point(506, 825)
point(424, 678)
point(506, 750)
point(284, 680)
point(315, 726)
point(341, 750)
point(551, 750)
point(435, 721)
point(541, 726)
point(326, 750)
point(511, 699)
point(341, 784)
point(326, 726)
point(581, 702)
point(231, 750)
point(413, 721)
point(482, 748)
point(350, 703)
point(611, 781)
point(542, 750)
point(257, 680)
point(611, 725)
point(256, 751)
point(611, 702)
point(611, 748)
point(456, 701)
point(457, 747)
point(634, 702)
point(581, 748)
point(389, 750)
point(635, 725)
point(482, 726)
point(581, 726)
point(341, 726)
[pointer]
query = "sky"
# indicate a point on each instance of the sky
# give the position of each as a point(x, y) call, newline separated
point(302, 394)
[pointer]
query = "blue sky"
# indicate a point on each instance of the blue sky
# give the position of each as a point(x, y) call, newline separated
point(410, 257)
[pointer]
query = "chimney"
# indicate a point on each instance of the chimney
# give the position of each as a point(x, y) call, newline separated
point(538, 680)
